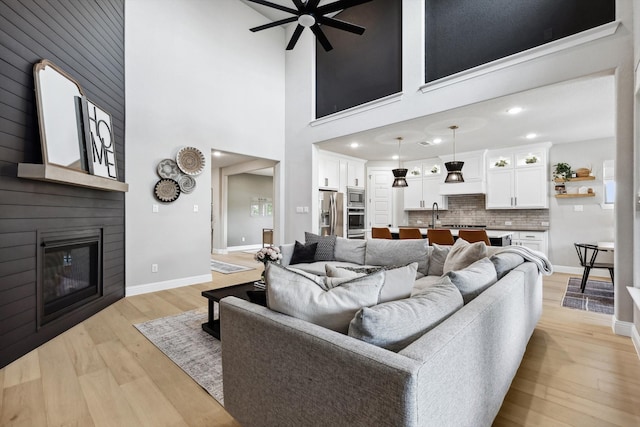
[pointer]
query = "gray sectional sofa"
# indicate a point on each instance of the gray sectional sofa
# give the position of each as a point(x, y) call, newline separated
point(280, 370)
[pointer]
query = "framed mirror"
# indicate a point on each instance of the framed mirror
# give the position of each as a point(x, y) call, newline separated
point(59, 112)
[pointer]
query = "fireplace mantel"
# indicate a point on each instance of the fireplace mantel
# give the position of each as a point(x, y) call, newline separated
point(62, 175)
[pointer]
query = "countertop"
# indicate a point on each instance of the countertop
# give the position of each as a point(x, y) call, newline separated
point(496, 234)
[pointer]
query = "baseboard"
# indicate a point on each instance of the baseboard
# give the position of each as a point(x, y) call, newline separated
point(622, 328)
point(577, 271)
point(635, 338)
point(220, 251)
point(244, 248)
point(168, 284)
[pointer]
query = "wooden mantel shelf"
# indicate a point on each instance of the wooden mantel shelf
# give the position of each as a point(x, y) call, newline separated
point(569, 196)
point(583, 178)
point(62, 175)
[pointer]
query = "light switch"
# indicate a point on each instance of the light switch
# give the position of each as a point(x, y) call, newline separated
point(154, 208)
point(577, 208)
point(195, 208)
point(306, 209)
point(299, 209)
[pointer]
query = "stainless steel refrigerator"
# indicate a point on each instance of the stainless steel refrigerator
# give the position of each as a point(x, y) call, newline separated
point(331, 219)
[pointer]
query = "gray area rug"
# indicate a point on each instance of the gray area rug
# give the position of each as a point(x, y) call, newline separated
point(196, 352)
point(597, 296)
point(227, 268)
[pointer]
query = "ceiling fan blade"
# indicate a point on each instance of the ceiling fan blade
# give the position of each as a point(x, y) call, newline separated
point(312, 4)
point(299, 4)
point(275, 6)
point(339, 5)
point(295, 37)
point(341, 25)
point(321, 37)
point(274, 24)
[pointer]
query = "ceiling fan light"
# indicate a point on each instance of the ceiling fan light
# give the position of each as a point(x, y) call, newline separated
point(306, 20)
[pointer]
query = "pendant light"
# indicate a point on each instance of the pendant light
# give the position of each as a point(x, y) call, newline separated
point(454, 168)
point(399, 174)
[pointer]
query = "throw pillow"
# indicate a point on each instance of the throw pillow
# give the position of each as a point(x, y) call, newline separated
point(396, 324)
point(505, 262)
point(436, 261)
point(299, 296)
point(303, 253)
point(398, 252)
point(326, 245)
point(287, 252)
point(463, 254)
point(474, 279)
point(350, 250)
point(398, 281)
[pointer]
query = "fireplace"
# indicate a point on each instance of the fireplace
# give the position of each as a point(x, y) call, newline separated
point(69, 272)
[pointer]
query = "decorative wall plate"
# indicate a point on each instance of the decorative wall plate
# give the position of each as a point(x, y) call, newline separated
point(187, 183)
point(168, 168)
point(190, 160)
point(167, 190)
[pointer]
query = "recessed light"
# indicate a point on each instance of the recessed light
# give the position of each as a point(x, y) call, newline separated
point(531, 136)
point(217, 153)
point(395, 157)
point(354, 145)
point(437, 140)
point(514, 110)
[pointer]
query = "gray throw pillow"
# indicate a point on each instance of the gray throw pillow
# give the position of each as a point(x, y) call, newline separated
point(398, 281)
point(398, 252)
point(437, 259)
point(396, 324)
point(505, 262)
point(350, 250)
point(463, 254)
point(300, 296)
point(326, 244)
point(287, 252)
point(473, 280)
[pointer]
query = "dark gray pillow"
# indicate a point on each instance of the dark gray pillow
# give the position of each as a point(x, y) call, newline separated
point(396, 324)
point(303, 253)
point(326, 245)
point(474, 279)
point(505, 262)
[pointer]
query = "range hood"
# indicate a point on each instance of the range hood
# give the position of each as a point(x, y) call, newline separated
point(475, 181)
point(477, 187)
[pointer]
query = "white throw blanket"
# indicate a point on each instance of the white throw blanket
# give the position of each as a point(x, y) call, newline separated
point(536, 257)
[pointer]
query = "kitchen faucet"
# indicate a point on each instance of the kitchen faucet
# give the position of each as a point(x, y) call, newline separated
point(434, 214)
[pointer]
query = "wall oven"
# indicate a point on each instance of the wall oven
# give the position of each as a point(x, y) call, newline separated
point(355, 197)
point(355, 223)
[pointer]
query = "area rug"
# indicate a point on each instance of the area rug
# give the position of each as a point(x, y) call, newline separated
point(226, 268)
point(196, 352)
point(597, 296)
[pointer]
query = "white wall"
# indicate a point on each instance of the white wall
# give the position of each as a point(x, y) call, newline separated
point(611, 54)
point(195, 76)
point(243, 188)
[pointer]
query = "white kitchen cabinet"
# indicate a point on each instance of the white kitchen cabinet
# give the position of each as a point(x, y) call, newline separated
point(339, 172)
point(517, 178)
point(355, 174)
point(328, 171)
point(536, 240)
point(423, 183)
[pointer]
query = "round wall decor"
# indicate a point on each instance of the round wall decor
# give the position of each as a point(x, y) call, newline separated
point(190, 160)
point(167, 190)
point(187, 183)
point(168, 168)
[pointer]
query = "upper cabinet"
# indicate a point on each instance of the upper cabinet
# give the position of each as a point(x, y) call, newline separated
point(423, 179)
point(517, 178)
point(328, 171)
point(337, 172)
point(355, 173)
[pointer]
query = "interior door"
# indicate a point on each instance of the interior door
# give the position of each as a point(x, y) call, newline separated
point(380, 198)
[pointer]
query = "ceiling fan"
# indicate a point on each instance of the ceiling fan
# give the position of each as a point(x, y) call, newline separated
point(309, 14)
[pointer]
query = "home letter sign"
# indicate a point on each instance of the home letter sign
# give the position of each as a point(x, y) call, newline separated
point(101, 149)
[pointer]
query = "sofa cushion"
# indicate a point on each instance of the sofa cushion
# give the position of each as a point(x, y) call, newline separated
point(326, 245)
point(474, 279)
point(505, 262)
point(300, 296)
point(436, 261)
point(318, 267)
point(398, 252)
point(303, 253)
point(394, 325)
point(463, 254)
point(423, 283)
point(398, 281)
point(350, 250)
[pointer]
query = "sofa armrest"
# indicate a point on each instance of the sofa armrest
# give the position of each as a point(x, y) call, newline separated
point(283, 371)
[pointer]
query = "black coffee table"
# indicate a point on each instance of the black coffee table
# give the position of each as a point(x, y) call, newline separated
point(246, 291)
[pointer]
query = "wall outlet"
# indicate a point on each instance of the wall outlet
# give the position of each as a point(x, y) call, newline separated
point(545, 223)
point(243, 239)
point(508, 223)
point(195, 208)
point(154, 268)
point(418, 222)
point(155, 208)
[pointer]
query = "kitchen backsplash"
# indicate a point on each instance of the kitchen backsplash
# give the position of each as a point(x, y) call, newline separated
point(470, 210)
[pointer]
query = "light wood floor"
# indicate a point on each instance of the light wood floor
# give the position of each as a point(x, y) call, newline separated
point(103, 372)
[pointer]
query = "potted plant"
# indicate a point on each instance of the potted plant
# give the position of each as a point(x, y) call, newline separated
point(501, 163)
point(562, 170)
point(531, 159)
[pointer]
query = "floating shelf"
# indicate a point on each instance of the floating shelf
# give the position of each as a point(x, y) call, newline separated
point(585, 178)
point(62, 175)
point(571, 196)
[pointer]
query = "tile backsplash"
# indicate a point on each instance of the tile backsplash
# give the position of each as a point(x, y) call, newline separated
point(470, 210)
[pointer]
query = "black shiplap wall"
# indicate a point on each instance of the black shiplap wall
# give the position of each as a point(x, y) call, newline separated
point(86, 39)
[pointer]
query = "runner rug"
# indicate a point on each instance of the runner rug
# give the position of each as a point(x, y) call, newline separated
point(227, 268)
point(597, 296)
point(196, 352)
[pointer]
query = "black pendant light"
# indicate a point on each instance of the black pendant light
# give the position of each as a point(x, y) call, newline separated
point(454, 168)
point(400, 174)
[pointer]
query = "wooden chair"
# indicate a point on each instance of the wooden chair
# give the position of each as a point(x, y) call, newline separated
point(587, 255)
point(410, 233)
point(267, 237)
point(473, 236)
point(440, 236)
point(381, 233)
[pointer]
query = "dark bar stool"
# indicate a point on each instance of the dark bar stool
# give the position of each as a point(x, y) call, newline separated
point(587, 254)
point(381, 233)
point(440, 236)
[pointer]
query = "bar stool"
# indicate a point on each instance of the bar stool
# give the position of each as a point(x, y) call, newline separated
point(440, 236)
point(410, 233)
point(587, 255)
point(473, 236)
point(381, 233)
